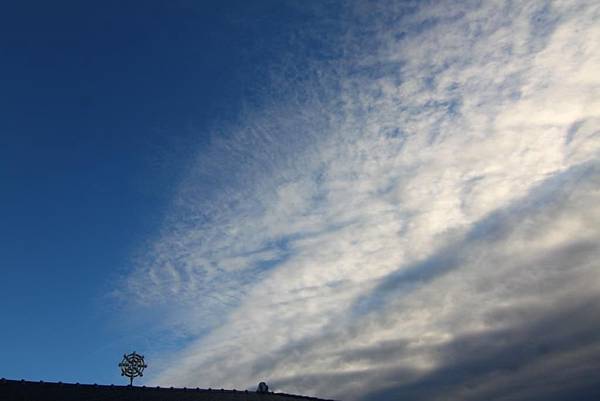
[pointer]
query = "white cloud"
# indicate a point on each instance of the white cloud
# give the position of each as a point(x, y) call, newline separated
point(437, 181)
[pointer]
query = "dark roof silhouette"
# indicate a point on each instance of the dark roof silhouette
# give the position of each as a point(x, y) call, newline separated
point(21, 390)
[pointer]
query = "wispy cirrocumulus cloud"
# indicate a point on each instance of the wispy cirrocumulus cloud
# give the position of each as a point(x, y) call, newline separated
point(417, 217)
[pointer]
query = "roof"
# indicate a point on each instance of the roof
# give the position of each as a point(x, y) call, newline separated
point(22, 390)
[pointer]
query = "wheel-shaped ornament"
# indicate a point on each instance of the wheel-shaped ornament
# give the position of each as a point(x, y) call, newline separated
point(132, 365)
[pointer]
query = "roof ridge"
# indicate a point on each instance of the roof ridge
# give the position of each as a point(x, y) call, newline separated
point(144, 387)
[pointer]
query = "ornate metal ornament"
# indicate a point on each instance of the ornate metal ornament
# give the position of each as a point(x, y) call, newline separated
point(132, 366)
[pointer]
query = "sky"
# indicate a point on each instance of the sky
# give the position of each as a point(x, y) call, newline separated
point(358, 200)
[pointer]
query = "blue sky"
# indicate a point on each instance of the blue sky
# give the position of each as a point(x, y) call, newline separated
point(359, 200)
point(101, 104)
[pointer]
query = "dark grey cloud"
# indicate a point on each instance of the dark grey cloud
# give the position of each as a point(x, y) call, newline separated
point(554, 356)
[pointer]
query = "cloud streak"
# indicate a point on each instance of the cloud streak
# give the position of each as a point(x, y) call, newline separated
point(415, 216)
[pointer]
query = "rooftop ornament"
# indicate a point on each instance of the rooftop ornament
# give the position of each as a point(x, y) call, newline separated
point(132, 366)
